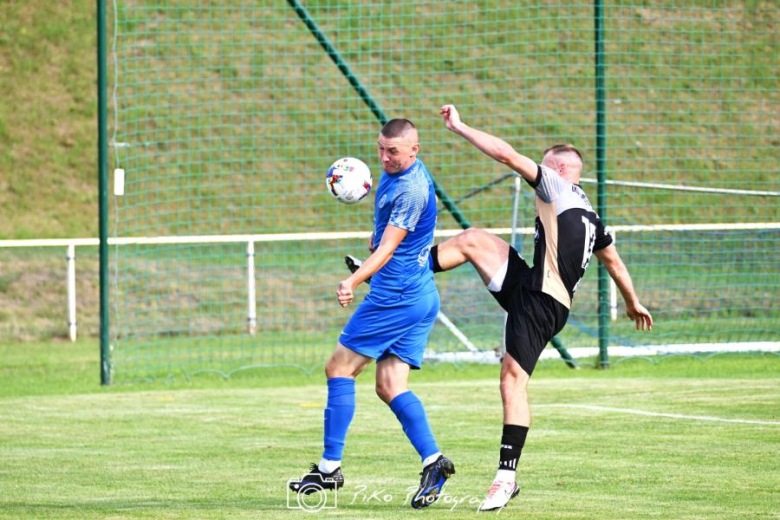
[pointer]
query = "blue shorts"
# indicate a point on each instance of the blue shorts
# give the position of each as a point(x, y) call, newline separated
point(392, 327)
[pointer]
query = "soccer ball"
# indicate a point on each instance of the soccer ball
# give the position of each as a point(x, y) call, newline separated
point(349, 180)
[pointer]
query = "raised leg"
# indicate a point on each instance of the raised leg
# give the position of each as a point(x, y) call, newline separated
point(486, 252)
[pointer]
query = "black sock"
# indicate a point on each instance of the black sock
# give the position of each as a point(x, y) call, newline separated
point(435, 259)
point(512, 442)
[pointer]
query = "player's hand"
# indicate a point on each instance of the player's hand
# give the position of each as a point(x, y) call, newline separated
point(344, 293)
point(641, 316)
point(451, 117)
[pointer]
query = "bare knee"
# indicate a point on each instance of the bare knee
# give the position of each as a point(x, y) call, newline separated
point(472, 240)
point(331, 369)
point(336, 368)
point(345, 363)
point(383, 391)
point(388, 390)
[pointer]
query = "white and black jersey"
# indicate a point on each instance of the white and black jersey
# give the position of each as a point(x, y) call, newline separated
point(537, 299)
point(568, 230)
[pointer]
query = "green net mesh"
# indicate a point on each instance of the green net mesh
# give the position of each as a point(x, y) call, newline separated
point(228, 114)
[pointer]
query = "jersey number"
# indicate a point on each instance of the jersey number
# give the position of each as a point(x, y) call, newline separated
point(590, 240)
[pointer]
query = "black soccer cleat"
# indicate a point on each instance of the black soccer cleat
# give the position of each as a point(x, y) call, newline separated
point(434, 475)
point(315, 480)
point(353, 264)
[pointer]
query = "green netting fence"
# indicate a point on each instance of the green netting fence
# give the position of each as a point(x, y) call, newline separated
point(225, 117)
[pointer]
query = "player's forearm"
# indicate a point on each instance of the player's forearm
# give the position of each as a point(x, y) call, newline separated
point(372, 264)
point(619, 273)
point(490, 145)
point(498, 150)
point(625, 285)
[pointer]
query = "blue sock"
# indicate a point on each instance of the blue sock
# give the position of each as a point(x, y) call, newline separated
point(338, 415)
point(410, 412)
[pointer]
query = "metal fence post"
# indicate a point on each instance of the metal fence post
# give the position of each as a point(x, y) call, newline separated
point(71, 258)
point(105, 346)
point(601, 174)
point(251, 288)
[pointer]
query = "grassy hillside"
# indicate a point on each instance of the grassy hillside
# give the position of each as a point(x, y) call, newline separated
point(48, 182)
point(679, 110)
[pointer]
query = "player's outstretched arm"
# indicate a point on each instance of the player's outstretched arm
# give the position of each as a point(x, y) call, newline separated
point(490, 145)
point(391, 238)
point(619, 272)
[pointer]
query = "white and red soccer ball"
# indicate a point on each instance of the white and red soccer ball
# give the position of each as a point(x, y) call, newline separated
point(349, 180)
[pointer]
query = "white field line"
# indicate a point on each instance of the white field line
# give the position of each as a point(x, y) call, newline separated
point(659, 414)
point(610, 409)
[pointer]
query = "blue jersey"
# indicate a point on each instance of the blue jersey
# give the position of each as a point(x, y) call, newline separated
point(406, 200)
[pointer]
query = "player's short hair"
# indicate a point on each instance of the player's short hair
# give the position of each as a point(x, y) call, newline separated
point(397, 127)
point(563, 148)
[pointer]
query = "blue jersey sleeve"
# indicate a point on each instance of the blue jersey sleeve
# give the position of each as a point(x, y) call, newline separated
point(410, 202)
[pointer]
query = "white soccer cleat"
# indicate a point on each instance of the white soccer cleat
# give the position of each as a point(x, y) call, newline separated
point(499, 495)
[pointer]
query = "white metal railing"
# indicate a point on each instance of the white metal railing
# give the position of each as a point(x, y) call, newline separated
point(71, 258)
point(250, 240)
point(681, 187)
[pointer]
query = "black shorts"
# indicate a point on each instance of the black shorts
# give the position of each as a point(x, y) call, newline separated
point(534, 317)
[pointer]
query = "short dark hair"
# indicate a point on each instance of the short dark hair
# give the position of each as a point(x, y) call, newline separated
point(397, 128)
point(563, 148)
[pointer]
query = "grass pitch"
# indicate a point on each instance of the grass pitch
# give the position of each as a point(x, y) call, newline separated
point(682, 438)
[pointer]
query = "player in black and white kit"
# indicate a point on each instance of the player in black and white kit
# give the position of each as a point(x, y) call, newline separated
point(537, 299)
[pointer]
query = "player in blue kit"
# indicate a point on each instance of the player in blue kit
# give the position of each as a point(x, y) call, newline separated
point(393, 322)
